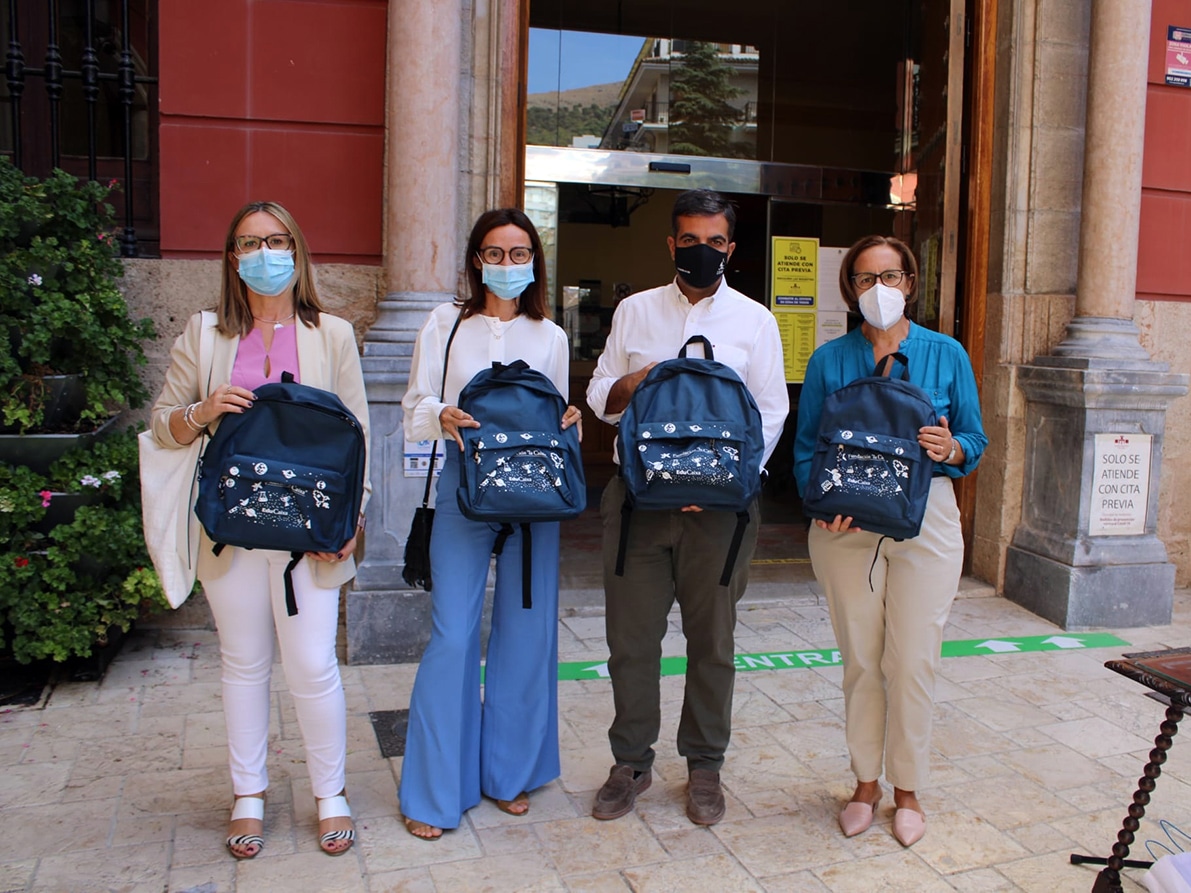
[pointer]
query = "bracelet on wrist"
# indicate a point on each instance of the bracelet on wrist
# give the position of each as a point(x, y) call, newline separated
point(190, 420)
point(951, 455)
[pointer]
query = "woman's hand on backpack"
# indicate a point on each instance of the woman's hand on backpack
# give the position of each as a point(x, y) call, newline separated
point(335, 557)
point(225, 398)
point(940, 446)
point(573, 416)
point(839, 525)
point(451, 419)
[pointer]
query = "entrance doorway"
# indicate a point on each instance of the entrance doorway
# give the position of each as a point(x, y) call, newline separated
point(821, 122)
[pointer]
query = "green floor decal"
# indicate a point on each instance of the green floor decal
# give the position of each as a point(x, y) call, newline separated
point(795, 660)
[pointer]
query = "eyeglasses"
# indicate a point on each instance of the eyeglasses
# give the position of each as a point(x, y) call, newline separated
point(494, 254)
point(275, 242)
point(864, 281)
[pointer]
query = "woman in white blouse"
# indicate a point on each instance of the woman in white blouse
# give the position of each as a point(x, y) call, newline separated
point(457, 747)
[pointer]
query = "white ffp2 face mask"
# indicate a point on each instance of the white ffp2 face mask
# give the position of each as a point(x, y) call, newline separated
point(882, 307)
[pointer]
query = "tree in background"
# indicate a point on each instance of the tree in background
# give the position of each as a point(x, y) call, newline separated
point(555, 126)
point(701, 119)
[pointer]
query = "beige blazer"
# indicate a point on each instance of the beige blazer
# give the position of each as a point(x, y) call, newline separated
point(327, 359)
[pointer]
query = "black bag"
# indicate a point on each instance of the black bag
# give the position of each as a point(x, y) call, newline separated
point(287, 474)
point(416, 572)
point(867, 463)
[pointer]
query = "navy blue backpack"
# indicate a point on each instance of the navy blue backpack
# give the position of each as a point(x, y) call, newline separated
point(691, 435)
point(519, 466)
point(867, 463)
point(286, 474)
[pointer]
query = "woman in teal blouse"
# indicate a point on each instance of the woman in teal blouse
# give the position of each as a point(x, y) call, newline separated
point(889, 599)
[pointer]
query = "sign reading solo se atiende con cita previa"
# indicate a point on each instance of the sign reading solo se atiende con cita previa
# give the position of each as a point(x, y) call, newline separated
point(1120, 484)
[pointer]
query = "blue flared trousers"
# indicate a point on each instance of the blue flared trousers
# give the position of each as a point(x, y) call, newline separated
point(460, 746)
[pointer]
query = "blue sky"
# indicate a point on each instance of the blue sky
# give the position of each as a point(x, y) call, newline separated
point(563, 60)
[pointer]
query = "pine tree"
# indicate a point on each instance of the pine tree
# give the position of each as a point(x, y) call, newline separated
point(702, 120)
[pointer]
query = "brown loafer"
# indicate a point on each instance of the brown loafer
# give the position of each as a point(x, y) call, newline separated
point(704, 797)
point(619, 792)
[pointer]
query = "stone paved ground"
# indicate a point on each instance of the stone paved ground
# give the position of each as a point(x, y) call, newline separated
point(122, 785)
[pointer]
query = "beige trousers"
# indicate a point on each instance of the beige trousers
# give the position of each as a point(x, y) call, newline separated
point(889, 602)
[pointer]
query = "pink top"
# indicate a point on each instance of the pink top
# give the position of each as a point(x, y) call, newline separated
point(249, 368)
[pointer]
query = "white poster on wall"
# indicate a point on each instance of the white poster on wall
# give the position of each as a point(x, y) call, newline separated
point(1120, 484)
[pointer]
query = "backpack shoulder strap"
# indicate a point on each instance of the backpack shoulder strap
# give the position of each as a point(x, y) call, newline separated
point(207, 348)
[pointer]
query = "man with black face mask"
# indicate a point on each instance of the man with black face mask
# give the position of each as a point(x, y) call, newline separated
point(679, 554)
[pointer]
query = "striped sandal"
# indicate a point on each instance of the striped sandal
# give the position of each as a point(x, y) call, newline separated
point(247, 846)
point(330, 808)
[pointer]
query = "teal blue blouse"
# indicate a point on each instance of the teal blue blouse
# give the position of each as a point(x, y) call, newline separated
point(938, 364)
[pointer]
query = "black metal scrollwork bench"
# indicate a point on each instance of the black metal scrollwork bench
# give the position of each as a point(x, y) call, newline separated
point(1169, 674)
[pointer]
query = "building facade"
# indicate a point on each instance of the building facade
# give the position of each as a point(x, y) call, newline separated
point(387, 126)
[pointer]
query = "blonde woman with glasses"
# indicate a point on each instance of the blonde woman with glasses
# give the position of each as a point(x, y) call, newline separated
point(269, 321)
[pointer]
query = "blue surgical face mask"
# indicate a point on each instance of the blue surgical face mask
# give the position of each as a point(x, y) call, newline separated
point(507, 281)
point(267, 272)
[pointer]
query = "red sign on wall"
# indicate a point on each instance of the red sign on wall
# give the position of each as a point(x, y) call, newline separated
point(1178, 56)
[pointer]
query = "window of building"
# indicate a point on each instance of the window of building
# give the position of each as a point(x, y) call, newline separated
point(80, 93)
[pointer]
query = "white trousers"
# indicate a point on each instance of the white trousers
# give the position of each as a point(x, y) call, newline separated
point(890, 633)
point(248, 603)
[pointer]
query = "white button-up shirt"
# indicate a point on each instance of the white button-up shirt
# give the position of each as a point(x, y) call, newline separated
point(479, 342)
point(651, 326)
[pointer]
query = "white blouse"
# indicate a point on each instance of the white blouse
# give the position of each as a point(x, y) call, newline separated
point(479, 342)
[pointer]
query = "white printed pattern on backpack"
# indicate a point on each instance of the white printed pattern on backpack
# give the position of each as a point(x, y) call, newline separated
point(528, 470)
point(275, 504)
point(703, 463)
point(860, 470)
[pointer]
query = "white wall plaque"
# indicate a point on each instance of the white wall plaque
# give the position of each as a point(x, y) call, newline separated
point(1120, 484)
point(417, 458)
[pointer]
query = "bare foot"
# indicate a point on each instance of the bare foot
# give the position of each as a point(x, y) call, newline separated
point(422, 830)
point(866, 792)
point(519, 805)
point(336, 832)
point(245, 830)
point(906, 800)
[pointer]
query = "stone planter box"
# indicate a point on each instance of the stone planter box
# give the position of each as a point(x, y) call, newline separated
point(39, 451)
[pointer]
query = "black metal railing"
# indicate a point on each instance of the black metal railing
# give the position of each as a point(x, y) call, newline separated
point(55, 76)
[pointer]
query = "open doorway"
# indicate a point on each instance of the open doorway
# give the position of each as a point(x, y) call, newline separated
point(823, 122)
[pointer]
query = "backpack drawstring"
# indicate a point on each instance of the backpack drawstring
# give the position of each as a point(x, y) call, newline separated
point(876, 555)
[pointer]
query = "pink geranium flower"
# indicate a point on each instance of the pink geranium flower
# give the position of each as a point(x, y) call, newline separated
point(46, 496)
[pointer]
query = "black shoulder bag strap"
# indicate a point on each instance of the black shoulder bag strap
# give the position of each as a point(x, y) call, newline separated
point(442, 393)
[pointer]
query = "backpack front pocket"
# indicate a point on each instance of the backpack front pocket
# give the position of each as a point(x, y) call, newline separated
point(259, 496)
point(863, 475)
point(517, 475)
point(702, 456)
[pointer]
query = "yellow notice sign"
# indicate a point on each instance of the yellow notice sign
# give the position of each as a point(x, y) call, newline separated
point(797, 329)
point(795, 273)
point(794, 300)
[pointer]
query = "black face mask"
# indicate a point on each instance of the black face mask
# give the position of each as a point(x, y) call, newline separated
point(699, 265)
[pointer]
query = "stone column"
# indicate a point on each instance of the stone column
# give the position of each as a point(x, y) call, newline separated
point(386, 621)
point(1099, 380)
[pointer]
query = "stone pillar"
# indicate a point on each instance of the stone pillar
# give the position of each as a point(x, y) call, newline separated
point(386, 621)
point(1099, 380)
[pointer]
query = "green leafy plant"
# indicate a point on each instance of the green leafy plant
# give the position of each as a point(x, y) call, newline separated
point(61, 310)
point(65, 588)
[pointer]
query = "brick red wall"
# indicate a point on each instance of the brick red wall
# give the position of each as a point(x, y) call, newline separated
point(273, 99)
point(1164, 253)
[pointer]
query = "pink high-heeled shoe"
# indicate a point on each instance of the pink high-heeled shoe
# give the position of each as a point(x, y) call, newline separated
point(857, 816)
point(908, 826)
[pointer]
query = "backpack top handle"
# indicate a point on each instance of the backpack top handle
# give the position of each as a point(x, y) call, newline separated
point(884, 363)
point(708, 353)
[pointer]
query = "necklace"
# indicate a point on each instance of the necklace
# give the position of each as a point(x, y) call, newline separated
point(277, 323)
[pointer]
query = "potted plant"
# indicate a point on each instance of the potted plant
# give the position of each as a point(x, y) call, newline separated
point(74, 571)
point(68, 587)
point(60, 308)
